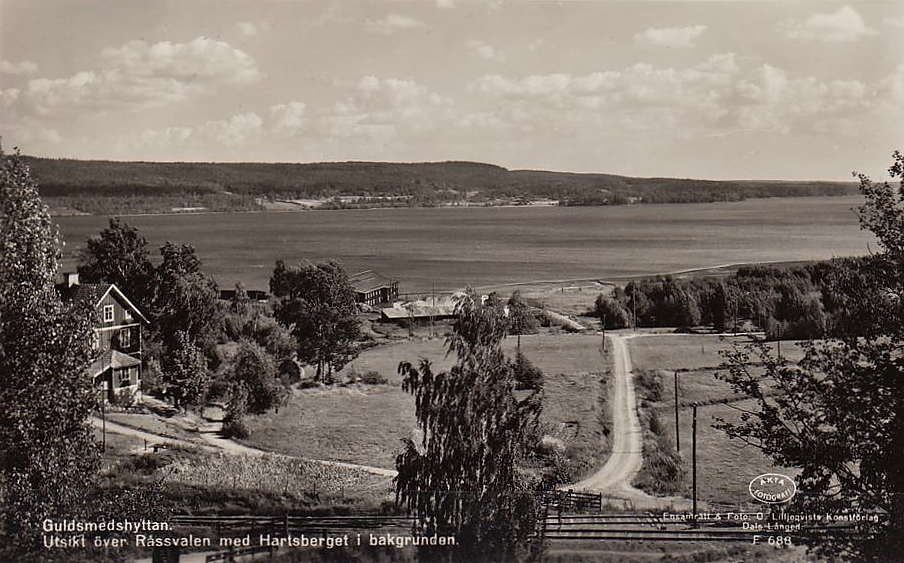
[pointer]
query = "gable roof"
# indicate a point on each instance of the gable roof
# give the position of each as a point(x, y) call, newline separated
point(368, 280)
point(94, 293)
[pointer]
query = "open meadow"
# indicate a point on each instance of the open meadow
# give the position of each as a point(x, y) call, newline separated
point(449, 248)
point(724, 466)
point(365, 423)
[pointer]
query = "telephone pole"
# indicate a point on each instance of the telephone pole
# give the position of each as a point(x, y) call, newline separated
point(677, 430)
point(694, 463)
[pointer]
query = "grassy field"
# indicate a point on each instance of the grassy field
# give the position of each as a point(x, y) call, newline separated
point(454, 247)
point(364, 424)
point(725, 467)
point(683, 352)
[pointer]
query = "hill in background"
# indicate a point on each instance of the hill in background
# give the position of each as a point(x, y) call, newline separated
point(82, 186)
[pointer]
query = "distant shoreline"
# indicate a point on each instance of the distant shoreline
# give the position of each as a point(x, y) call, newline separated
point(533, 205)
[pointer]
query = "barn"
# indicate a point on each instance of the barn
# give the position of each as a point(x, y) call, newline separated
point(372, 288)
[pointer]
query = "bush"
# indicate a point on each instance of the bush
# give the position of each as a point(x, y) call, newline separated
point(371, 377)
point(123, 398)
point(610, 312)
point(235, 427)
point(651, 384)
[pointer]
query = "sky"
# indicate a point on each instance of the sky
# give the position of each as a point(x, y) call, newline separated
point(733, 89)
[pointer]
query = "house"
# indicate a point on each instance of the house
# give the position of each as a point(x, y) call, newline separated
point(117, 335)
point(422, 311)
point(372, 288)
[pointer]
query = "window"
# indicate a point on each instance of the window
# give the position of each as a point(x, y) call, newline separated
point(127, 314)
point(125, 338)
point(95, 342)
point(108, 313)
point(125, 377)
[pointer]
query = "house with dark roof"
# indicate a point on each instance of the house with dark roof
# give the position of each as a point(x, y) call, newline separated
point(117, 335)
point(372, 288)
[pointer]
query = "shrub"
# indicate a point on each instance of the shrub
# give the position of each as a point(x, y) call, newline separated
point(371, 377)
point(235, 427)
point(123, 398)
point(610, 312)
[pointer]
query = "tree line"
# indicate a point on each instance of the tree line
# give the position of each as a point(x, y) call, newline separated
point(800, 302)
point(111, 187)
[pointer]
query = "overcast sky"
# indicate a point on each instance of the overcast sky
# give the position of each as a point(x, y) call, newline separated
point(732, 89)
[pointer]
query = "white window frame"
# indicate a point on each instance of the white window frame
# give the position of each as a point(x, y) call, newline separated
point(125, 338)
point(127, 313)
point(108, 313)
point(125, 377)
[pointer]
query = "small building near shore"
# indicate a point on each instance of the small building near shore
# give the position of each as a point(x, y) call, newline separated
point(421, 311)
point(372, 288)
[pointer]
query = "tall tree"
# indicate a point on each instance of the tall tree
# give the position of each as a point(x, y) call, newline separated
point(119, 255)
point(185, 371)
point(461, 478)
point(521, 319)
point(185, 299)
point(48, 457)
point(254, 371)
point(838, 414)
point(317, 303)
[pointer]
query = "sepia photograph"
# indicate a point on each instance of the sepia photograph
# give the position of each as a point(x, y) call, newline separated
point(451, 281)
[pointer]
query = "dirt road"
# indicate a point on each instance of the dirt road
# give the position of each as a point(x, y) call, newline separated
point(212, 442)
point(626, 457)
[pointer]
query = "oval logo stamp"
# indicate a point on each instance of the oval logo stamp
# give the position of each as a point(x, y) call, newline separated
point(772, 488)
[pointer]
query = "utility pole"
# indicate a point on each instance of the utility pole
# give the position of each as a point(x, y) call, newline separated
point(677, 431)
point(694, 463)
point(634, 305)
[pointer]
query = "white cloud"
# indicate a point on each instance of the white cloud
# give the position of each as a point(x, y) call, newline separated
point(894, 22)
point(713, 96)
point(139, 75)
point(845, 25)
point(485, 51)
point(247, 28)
point(392, 23)
point(380, 108)
point(289, 116)
point(670, 36)
point(234, 132)
point(200, 58)
point(22, 67)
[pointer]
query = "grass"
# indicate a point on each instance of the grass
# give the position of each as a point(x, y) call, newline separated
point(725, 467)
point(681, 352)
point(365, 424)
point(352, 424)
point(150, 423)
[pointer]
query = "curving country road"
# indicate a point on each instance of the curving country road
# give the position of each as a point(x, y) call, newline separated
point(626, 457)
point(216, 443)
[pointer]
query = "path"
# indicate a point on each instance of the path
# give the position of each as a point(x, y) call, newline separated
point(216, 443)
point(626, 458)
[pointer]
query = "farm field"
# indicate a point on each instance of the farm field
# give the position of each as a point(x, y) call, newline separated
point(364, 424)
point(451, 248)
point(683, 352)
point(724, 467)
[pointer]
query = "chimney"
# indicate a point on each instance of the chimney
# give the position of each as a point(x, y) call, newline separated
point(70, 278)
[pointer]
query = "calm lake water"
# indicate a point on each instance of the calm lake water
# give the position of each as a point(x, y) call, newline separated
point(454, 247)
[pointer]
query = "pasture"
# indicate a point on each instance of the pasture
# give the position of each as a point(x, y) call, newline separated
point(450, 248)
point(724, 466)
point(364, 424)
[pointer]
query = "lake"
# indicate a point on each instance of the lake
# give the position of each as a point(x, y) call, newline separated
point(455, 247)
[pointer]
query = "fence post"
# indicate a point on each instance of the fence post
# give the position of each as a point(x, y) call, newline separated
point(286, 525)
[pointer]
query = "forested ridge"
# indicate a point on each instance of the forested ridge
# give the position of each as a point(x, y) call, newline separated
point(107, 186)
